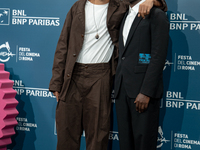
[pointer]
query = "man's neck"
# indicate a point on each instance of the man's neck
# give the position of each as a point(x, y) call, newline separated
point(99, 2)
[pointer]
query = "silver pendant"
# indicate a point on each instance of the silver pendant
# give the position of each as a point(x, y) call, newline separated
point(97, 36)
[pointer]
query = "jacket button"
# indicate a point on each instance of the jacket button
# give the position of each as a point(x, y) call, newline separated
point(74, 55)
point(82, 35)
point(123, 58)
point(86, 66)
point(68, 75)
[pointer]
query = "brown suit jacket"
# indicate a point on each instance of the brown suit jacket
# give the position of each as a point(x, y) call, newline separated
point(71, 41)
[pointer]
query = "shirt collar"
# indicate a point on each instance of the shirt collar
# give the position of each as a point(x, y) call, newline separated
point(135, 8)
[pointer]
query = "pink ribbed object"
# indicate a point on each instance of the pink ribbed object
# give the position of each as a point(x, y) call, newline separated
point(8, 110)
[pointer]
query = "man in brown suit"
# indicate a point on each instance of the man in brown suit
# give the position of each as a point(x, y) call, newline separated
point(84, 63)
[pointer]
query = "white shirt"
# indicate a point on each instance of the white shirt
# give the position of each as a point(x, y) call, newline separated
point(96, 50)
point(129, 20)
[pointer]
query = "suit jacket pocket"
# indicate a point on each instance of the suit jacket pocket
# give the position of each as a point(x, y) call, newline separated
point(140, 69)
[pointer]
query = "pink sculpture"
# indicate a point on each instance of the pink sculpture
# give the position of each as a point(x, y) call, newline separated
point(8, 110)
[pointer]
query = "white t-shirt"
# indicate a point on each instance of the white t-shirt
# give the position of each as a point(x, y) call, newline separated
point(96, 50)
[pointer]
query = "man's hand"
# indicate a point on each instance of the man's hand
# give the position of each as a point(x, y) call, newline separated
point(142, 102)
point(56, 94)
point(145, 7)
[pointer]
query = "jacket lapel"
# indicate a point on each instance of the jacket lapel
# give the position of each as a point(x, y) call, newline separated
point(121, 42)
point(113, 5)
point(81, 12)
point(132, 30)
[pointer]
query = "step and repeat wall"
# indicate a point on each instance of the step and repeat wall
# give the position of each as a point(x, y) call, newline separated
point(29, 31)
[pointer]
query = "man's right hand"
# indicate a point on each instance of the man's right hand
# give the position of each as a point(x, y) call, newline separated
point(142, 102)
point(56, 94)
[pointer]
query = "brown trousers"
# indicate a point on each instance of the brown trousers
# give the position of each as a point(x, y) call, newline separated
point(86, 107)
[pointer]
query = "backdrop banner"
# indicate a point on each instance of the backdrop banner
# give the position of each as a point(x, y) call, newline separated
point(29, 31)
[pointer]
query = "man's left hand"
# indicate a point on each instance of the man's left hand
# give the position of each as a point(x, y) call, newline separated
point(144, 8)
point(142, 102)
